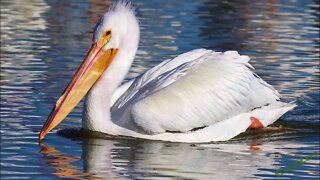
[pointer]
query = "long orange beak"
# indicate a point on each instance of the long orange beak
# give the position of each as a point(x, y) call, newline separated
point(95, 63)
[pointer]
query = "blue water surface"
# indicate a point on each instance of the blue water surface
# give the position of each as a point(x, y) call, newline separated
point(44, 41)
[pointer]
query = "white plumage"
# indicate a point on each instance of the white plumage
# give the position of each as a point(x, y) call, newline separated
point(199, 96)
point(201, 88)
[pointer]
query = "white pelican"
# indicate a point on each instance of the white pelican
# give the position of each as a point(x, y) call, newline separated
point(199, 96)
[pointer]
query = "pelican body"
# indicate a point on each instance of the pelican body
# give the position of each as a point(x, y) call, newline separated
point(199, 96)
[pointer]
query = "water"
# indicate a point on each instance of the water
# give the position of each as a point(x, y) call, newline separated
point(43, 43)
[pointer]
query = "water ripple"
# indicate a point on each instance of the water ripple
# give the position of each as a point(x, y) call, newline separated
point(44, 41)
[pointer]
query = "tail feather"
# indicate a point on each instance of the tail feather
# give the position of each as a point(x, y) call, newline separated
point(229, 128)
point(269, 114)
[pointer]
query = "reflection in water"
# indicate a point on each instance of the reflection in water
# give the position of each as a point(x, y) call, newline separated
point(20, 64)
point(44, 41)
point(132, 159)
point(62, 163)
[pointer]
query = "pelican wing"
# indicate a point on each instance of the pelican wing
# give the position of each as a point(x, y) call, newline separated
point(193, 90)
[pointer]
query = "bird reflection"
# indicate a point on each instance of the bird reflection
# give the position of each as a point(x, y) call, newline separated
point(62, 163)
point(130, 158)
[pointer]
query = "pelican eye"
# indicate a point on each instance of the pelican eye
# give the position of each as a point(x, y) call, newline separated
point(108, 33)
point(106, 36)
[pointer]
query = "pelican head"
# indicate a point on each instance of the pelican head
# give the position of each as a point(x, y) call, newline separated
point(111, 34)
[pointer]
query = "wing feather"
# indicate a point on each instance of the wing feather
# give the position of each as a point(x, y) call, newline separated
point(196, 89)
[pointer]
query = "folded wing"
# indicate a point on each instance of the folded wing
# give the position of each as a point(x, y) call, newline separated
point(194, 90)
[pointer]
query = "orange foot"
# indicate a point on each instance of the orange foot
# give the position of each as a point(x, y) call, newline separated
point(255, 123)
